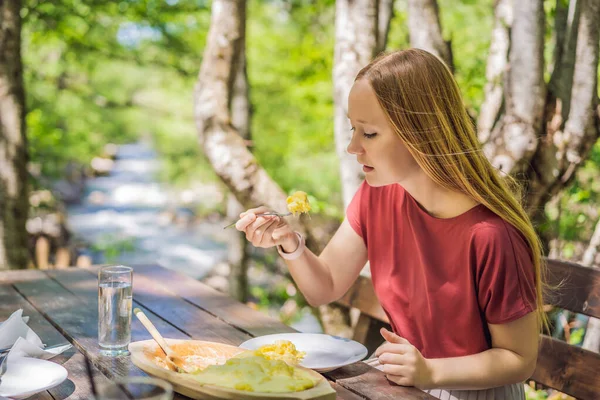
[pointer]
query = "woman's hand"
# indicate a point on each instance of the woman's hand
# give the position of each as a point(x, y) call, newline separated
point(267, 231)
point(403, 363)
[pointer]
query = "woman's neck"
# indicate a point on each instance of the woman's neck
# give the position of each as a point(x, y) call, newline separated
point(436, 200)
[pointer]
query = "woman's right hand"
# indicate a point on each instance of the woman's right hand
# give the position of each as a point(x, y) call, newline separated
point(267, 231)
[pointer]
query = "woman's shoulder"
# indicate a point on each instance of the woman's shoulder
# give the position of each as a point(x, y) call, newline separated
point(493, 232)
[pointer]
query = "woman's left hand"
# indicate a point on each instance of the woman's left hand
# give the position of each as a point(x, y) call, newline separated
point(403, 363)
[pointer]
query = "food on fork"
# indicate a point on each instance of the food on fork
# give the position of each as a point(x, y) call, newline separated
point(297, 203)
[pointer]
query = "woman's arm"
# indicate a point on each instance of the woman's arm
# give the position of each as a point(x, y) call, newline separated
point(326, 278)
point(511, 359)
point(321, 279)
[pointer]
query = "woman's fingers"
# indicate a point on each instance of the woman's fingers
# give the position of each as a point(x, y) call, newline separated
point(391, 358)
point(393, 348)
point(396, 370)
point(262, 235)
point(256, 228)
point(267, 237)
point(257, 210)
point(244, 222)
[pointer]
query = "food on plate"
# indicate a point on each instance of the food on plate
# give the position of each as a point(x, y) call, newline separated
point(255, 373)
point(283, 350)
point(196, 357)
point(297, 203)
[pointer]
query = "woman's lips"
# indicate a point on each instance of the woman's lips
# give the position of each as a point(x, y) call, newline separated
point(366, 168)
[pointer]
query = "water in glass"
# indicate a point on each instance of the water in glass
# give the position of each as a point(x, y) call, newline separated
point(114, 312)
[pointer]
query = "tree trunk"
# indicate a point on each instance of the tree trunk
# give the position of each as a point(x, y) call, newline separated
point(564, 149)
point(425, 29)
point(237, 256)
point(513, 140)
point(385, 13)
point(497, 61)
point(14, 202)
point(548, 164)
point(354, 49)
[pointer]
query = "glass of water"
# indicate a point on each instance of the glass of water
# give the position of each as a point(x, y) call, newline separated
point(139, 388)
point(114, 309)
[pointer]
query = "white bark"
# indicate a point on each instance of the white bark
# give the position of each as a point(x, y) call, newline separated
point(515, 138)
point(385, 13)
point(497, 63)
point(425, 29)
point(356, 42)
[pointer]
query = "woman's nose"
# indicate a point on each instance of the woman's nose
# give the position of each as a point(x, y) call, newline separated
point(354, 147)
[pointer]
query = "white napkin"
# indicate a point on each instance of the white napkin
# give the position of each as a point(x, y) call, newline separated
point(24, 341)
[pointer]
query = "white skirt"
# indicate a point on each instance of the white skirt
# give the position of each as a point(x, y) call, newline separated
point(516, 391)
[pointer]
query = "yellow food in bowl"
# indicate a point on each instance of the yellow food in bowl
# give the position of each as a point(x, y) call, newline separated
point(283, 350)
point(297, 203)
point(257, 374)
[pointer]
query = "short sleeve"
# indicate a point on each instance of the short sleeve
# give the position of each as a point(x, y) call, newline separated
point(505, 273)
point(354, 213)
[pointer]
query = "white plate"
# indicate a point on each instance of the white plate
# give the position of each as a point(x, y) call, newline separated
point(323, 352)
point(26, 376)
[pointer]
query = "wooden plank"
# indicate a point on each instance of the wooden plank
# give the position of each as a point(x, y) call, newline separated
point(574, 287)
point(77, 384)
point(569, 369)
point(344, 394)
point(253, 322)
point(189, 318)
point(371, 383)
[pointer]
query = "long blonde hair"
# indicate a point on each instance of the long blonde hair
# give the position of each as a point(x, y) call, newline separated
point(422, 101)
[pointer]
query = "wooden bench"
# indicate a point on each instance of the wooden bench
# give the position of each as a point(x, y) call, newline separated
point(561, 366)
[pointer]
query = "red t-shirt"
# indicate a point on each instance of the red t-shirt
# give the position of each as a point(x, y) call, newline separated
point(440, 281)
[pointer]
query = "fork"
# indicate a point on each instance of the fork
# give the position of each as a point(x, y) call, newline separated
point(287, 214)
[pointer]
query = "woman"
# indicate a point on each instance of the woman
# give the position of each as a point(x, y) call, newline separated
point(454, 259)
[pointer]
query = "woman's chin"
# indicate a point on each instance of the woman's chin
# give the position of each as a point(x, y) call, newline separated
point(373, 181)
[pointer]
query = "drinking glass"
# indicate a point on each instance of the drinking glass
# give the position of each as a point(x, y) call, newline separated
point(138, 388)
point(114, 309)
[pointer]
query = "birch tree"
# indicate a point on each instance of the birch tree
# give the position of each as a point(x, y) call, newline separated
point(541, 133)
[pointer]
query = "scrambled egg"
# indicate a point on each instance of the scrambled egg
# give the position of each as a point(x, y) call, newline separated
point(297, 203)
point(283, 350)
point(255, 373)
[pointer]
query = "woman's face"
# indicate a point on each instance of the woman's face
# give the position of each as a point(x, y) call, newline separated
point(377, 147)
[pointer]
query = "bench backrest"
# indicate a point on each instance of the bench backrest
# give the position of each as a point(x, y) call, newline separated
point(561, 366)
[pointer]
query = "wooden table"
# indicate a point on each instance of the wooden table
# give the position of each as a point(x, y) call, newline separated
point(63, 308)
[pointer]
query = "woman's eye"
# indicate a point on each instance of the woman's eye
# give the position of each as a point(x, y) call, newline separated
point(369, 135)
point(352, 129)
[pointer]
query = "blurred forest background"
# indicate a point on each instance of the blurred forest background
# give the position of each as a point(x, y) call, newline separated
point(131, 156)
